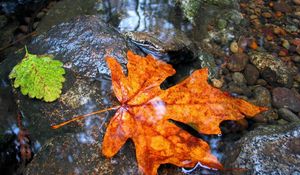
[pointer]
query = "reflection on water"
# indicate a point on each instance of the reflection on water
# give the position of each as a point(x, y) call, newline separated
point(155, 16)
point(158, 16)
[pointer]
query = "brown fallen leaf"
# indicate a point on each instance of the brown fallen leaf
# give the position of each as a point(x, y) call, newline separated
point(145, 110)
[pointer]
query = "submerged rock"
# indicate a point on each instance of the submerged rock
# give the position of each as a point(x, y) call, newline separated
point(267, 150)
point(81, 154)
point(237, 62)
point(273, 70)
point(286, 98)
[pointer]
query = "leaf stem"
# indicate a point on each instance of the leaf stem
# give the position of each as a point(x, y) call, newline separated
point(83, 116)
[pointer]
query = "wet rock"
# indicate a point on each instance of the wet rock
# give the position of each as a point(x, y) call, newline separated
point(60, 12)
point(217, 83)
point(238, 78)
point(172, 46)
point(207, 61)
point(261, 82)
point(240, 89)
point(234, 47)
point(262, 96)
point(81, 154)
point(286, 98)
point(288, 115)
point(269, 116)
point(267, 150)
point(282, 7)
point(237, 62)
point(273, 69)
point(82, 44)
point(251, 74)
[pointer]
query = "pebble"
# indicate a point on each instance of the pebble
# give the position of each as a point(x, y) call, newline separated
point(238, 78)
point(285, 44)
point(272, 69)
point(261, 82)
point(266, 117)
point(282, 7)
point(240, 89)
point(251, 74)
point(288, 115)
point(234, 48)
point(253, 17)
point(267, 15)
point(262, 96)
point(286, 98)
point(217, 83)
point(237, 62)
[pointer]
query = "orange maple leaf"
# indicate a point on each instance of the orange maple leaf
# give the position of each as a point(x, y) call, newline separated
point(145, 110)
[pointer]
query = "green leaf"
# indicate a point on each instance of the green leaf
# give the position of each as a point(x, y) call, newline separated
point(39, 76)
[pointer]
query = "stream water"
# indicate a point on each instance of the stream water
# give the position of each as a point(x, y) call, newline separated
point(162, 19)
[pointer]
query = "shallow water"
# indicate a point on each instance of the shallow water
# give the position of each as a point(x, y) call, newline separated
point(161, 17)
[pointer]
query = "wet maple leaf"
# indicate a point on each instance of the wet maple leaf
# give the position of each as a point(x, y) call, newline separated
point(145, 110)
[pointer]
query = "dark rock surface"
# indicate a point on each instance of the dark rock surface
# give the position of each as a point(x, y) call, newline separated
point(288, 115)
point(267, 150)
point(251, 74)
point(286, 98)
point(273, 70)
point(262, 96)
point(81, 154)
point(82, 44)
point(237, 62)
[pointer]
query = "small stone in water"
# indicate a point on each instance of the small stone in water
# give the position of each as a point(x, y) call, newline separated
point(288, 115)
point(234, 47)
point(217, 83)
point(267, 15)
point(251, 74)
point(286, 44)
point(238, 78)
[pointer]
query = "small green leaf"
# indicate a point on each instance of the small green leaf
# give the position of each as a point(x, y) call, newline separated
point(39, 77)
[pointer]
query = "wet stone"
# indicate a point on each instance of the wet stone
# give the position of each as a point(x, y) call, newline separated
point(240, 89)
point(272, 69)
point(81, 154)
point(286, 98)
point(82, 45)
point(261, 82)
point(282, 7)
point(238, 78)
point(288, 115)
point(262, 96)
point(269, 116)
point(266, 150)
point(237, 62)
point(251, 74)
